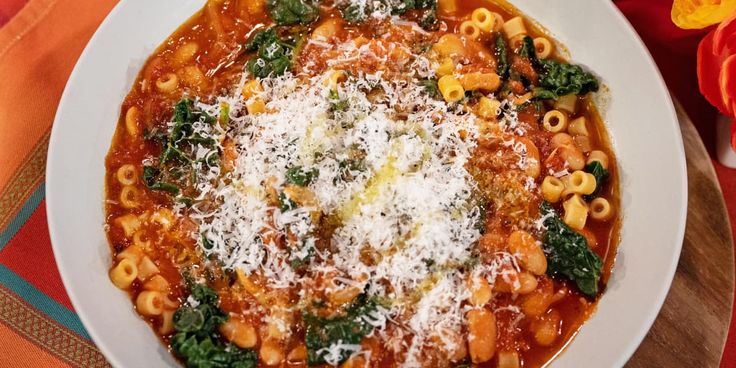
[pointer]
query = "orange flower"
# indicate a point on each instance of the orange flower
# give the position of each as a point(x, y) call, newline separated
point(697, 14)
point(717, 68)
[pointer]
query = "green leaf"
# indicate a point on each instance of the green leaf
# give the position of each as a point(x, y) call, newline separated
point(502, 57)
point(349, 328)
point(197, 341)
point(188, 319)
point(560, 79)
point(358, 12)
point(285, 203)
point(298, 176)
point(290, 12)
point(600, 174)
point(568, 253)
point(150, 175)
point(336, 103)
point(273, 54)
point(529, 51)
point(430, 87)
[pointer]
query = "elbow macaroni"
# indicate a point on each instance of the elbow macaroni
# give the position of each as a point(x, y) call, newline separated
point(576, 212)
point(543, 47)
point(469, 30)
point(600, 209)
point(554, 121)
point(514, 27)
point(483, 19)
point(552, 189)
point(124, 273)
point(451, 89)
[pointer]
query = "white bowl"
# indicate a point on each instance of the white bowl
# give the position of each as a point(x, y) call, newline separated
point(640, 119)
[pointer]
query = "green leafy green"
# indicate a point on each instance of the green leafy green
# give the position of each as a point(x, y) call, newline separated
point(150, 178)
point(568, 253)
point(197, 341)
point(273, 54)
point(431, 87)
point(285, 203)
point(337, 103)
point(560, 79)
point(600, 174)
point(358, 12)
point(290, 12)
point(557, 79)
point(502, 57)
point(350, 328)
point(298, 176)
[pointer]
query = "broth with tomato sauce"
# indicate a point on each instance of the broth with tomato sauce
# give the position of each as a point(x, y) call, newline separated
point(260, 142)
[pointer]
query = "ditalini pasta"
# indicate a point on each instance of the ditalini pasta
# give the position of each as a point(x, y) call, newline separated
point(361, 184)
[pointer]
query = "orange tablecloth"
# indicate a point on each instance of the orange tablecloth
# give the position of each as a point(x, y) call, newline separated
point(40, 40)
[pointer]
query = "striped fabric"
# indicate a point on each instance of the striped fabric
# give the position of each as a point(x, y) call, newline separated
point(40, 40)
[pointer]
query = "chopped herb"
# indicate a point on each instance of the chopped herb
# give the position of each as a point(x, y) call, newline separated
point(197, 341)
point(568, 253)
point(290, 12)
point(298, 176)
point(600, 174)
point(350, 328)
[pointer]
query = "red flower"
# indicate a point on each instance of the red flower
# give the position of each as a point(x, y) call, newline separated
point(717, 69)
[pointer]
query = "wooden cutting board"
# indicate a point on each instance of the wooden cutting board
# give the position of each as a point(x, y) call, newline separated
point(691, 329)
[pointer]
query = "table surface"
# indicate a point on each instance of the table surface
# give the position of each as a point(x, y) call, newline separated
point(692, 326)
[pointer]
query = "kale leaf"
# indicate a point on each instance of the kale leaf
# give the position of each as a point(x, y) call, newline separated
point(568, 253)
point(560, 79)
point(290, 12)
point(285, 203)
point(349, 329)
point(502, 57)
point(150, 178)
point(337, 103)
point(357, 12)
point(555, 78)
point(273, 54)
point(430, 87)
point(298, 176)
point(177, 156)
point(600, 174)
point(197, 341)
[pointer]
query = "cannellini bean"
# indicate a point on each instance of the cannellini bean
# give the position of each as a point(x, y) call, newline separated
point(530, 254)
point(537, 303)
point(562, 139)
point(480, 291)
point(481, 335)
point(533, 167)
point(271, 352)
point(573, 155)
point(508, 359)
point(527, 283)
point(297, 354)
point(546, 329)
point(354, 362)
point(239, 332)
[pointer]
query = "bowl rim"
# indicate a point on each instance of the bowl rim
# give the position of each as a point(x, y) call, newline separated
point(72, 291)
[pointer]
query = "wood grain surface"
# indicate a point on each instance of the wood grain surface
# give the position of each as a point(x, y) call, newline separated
point(691, 329)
